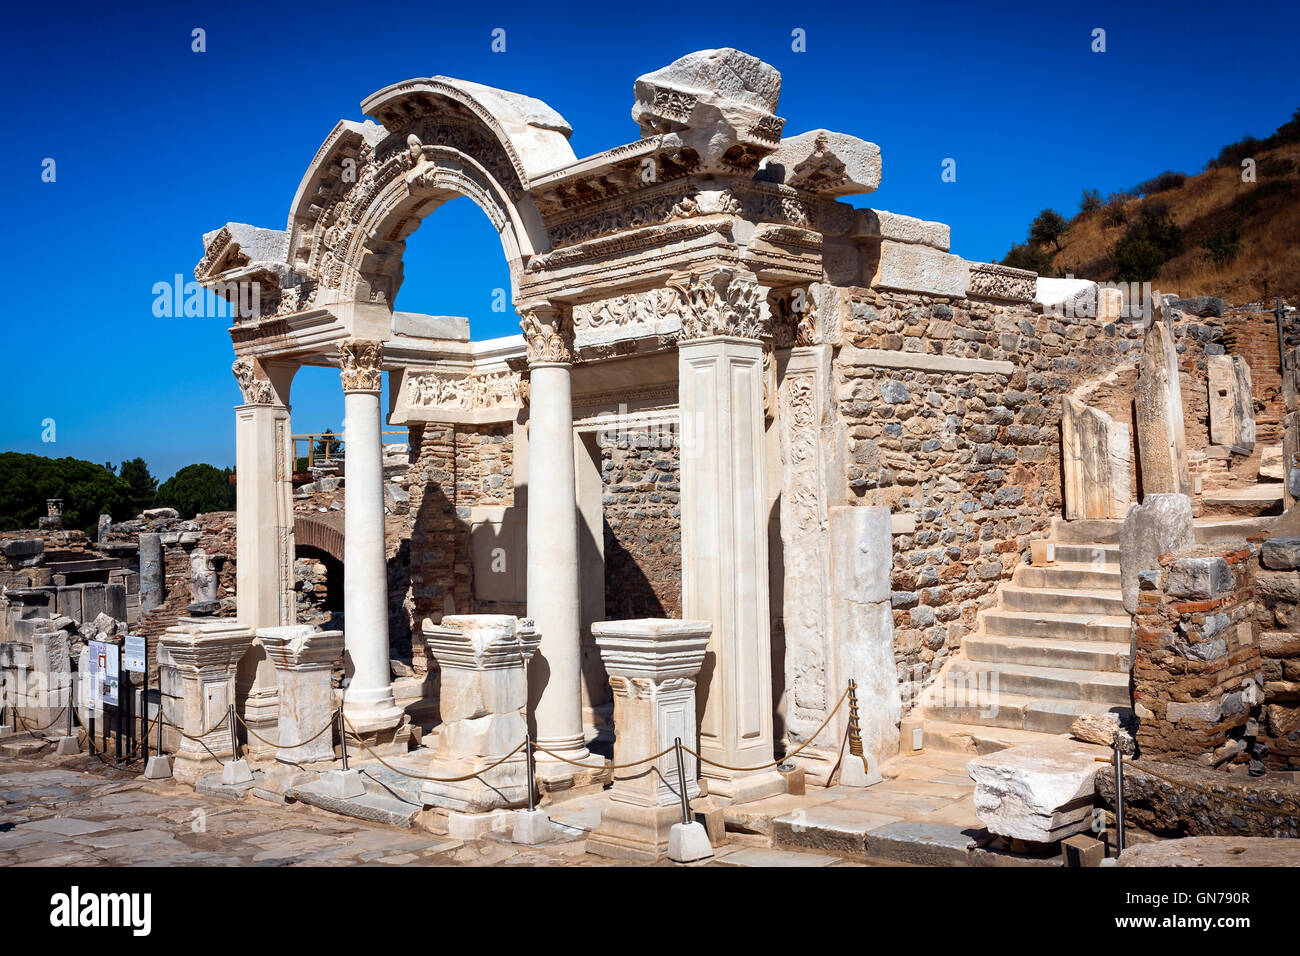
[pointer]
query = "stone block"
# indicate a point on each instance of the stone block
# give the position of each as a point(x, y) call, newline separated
point(688, 843)
point(922, 844)
point(832, 164)
point(1281, 554)
point(1162, 524)
point(1203, 578)
point(1232, 403)
point(1081, 851)
point(881, 224)
point(908, 267)
point(1037, 792)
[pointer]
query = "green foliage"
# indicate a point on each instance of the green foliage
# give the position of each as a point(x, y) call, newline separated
point(142, 484)
point(88, 490)
point(1163, 183)
point(1029, 256)
point(1112, 212)
point(1146, 246)
point(1048, 226)
point(1222, 244)
point(333, 448)
point(1090, 201)
point(196, 489)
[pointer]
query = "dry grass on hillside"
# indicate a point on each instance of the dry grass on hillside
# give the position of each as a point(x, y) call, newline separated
point(1267, 263)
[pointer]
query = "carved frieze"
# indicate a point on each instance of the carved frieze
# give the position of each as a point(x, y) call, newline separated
point(1001, 282)
point(468, 392)
point(360, 365)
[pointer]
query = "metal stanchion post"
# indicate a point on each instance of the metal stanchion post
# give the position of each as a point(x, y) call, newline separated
point(1119, 799)
point(532, 770)
point(681, 781)
point(234, 733)
point(144, 707)
point(343, 739)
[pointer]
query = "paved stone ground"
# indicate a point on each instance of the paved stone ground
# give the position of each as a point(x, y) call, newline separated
point(75, 811)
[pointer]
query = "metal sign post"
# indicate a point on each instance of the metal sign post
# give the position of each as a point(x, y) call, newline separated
point(343, 739)
point(1119, 799)
point(681, 781)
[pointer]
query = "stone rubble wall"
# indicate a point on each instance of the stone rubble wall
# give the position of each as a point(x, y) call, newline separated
point(1277, 587)
point(1197, 670)
point(641, 476)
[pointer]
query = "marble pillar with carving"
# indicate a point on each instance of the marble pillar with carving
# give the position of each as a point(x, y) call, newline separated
point(652, 664)
point(264, 536)
point(724, 524)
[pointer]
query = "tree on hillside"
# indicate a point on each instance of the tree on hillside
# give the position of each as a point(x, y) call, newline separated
point(1090, 201)
point(87, 489)
point(1048, 226)
point(1031, 257)
point(143, 485)
point(197, 488)
point(1146, 245)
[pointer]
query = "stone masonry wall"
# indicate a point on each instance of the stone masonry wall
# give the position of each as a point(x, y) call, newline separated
point(1196, 663)
point(1278, 617)
point(454, 468)
point(974, 458)
point(641, 474)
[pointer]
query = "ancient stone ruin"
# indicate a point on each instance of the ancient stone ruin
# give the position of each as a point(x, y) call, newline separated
point(765, 472)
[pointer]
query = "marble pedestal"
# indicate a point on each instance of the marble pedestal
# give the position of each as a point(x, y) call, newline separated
point(483, 661)
point(206, 654)
point(652, 665)
point(304, 659)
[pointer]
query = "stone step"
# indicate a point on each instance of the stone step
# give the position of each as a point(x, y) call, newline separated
point(1210, 530)
point(1028, 680)
point(1046, 652)
point(1004, 622)
point(946, 737)
point(1068, 575)
point(1089, 554)
point(1014, 711)
point(1261, 499)
point(1099, 601)
point(1087, 530)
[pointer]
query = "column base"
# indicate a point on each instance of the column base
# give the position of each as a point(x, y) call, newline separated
point(189, 768)
point(557, 780)
point(503, 787)
point(817, 764)
point(262, 715)
point(630, 832)
point(746, 787)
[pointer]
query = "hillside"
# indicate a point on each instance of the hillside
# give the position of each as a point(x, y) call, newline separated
point(1216, 234)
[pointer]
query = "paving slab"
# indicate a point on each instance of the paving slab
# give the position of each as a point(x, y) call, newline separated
point(755, 856)
point(830, 827)
point(67, 826)
point(925, 844)
point(374, 807)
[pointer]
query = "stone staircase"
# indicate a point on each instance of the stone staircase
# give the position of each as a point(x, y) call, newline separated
point(1055, 646)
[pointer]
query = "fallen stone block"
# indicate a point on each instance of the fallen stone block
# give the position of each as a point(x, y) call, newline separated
point(1037, 792)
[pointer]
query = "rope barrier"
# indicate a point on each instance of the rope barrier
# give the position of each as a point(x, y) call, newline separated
point(774, 763)
point(415, 776)
point(278, 746)
point(28, 727)
point(612, 766)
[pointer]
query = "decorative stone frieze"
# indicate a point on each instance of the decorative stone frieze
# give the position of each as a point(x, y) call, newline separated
point(991, 281)
point(360, 365)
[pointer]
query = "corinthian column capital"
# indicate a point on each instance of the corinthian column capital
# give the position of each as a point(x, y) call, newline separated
point(722, 302)
point(548, 336)
point(256, 388)
point(361, 365)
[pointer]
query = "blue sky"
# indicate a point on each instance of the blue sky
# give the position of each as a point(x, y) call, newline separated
point(156, 144)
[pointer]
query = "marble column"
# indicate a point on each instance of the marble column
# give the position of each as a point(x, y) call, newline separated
point(206, 653)
point(304, 660)
point(368, 700)
point(553, 594)
point(724, 525)
point(153, 573)
point(652, 665)
point(1158, 402)
point(264, 538)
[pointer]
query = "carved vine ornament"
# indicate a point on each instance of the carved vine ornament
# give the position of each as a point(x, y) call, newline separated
point(360, 365)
